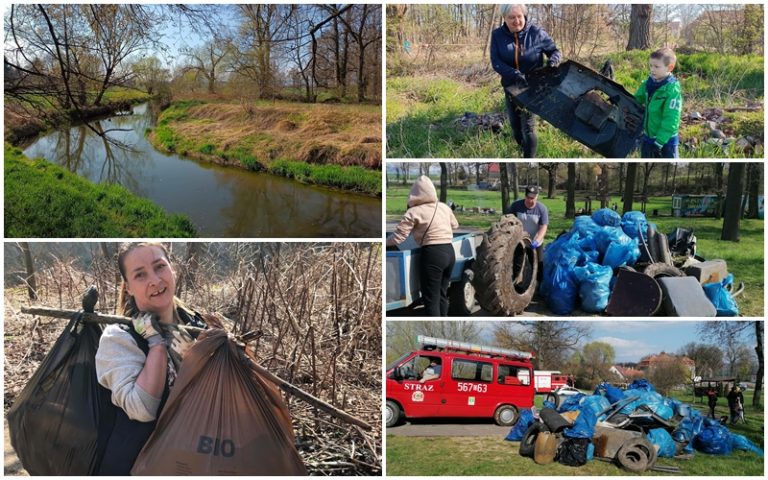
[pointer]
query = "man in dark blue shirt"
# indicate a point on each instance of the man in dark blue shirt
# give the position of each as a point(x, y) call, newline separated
point(533, 215)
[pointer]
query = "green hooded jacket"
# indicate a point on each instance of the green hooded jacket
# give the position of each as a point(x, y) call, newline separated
point(662, 111)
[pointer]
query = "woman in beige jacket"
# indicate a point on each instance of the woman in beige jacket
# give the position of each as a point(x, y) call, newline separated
point(432, 224)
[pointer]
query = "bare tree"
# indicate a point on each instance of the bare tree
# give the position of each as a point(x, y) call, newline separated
point(640, 27)
point(570, 201)
point(211, 60)
point(732, 215)
point(443, 182)
point(551, 169)
point(629, 188)
point(504, 186)
point(29, 265)
point(552, 341)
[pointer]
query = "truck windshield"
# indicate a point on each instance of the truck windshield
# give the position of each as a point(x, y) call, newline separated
point(398, 361)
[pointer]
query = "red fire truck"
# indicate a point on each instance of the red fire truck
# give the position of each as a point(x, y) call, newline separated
point(446, 378)
point(547, 381)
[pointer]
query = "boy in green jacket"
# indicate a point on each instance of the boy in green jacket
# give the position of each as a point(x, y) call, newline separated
point(660, 94)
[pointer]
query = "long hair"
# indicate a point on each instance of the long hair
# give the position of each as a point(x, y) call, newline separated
point(126, 304)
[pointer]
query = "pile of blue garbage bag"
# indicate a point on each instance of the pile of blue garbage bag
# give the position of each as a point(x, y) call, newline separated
point(693, 430)
point(578, 265)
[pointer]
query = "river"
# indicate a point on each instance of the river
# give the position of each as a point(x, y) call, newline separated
point(220, 201)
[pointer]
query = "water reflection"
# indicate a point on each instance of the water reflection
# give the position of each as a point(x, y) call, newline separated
point(222, 202)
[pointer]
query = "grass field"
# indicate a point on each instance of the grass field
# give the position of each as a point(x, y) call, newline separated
point(333, 145)
point(422, 108)
point(465, 456)
point(46, 200)
point(745, 258)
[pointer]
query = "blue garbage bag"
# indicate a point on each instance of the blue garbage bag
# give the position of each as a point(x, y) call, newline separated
point(584, 226)
point(571, 403)
point(564, 252)
point(688, 428)
point(635, 225)
point(518, 431)
point(594, 403)
point(548, 404)
point(623, 251)
point(613, 394)
point(641, 384)
point(606, 217)
point(714, 439)
point(590, 451)
point(721, 298)
point(662, 439)
point(563, 290)
point(594, 288)
point(584, 426)
point(740, 442)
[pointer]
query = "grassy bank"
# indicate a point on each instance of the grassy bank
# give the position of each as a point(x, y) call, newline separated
point(425, 456)
point(21, 124)
point(745, 258)
point(422, 107)
point(332, 145)
point(45, 200)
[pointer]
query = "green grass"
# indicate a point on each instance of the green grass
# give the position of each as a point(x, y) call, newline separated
point(464, 456)
point(120, 94)
point(421, 110)
point(346, 178)
point(745, 258)
point(45, 200)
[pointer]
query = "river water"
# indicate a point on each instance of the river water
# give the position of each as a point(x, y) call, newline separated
point(221, 201)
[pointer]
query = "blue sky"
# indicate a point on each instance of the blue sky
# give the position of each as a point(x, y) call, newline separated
point(633, 339)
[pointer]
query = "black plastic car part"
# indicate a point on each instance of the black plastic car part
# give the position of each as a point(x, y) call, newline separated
point(591, 108)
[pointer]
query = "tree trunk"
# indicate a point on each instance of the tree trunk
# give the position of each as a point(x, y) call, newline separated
point(515, 183)
point(477, 174)
point(570, 200)
point(491, 27)
point(551, 181)
point(674, 177)
point(732, 215)
point(629, 189)
point(504, 186)
point(603, 186)
point(760, 364)
point(443, 182)
point(30, 267)
point(718, 168)
point(622, 168)
point(640, 27)
point(754, 189)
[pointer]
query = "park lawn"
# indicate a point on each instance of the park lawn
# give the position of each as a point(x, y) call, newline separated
point(46, 200)
point(745, 258)
point(335, 145)
point(422, 109)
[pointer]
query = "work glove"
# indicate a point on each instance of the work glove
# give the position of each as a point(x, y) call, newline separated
point(179, 341)
point(553, 63)
point(535, 244)
point(146, 325)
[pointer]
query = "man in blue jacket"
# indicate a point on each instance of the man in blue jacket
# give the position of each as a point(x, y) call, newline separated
point(517, 48)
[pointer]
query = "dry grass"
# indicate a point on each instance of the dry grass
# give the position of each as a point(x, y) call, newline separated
point(313, 133)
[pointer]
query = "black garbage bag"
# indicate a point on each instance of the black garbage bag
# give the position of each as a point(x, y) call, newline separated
point(682, 242)
point(54, 422)
point(573, 451)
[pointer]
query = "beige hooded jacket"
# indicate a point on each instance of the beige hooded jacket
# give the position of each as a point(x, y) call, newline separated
point(422, 202)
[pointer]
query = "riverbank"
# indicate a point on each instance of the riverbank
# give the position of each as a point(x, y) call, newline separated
point(19, 125)
point(45, 200)
point(332, 145)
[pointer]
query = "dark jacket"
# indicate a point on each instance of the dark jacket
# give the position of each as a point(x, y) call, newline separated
point(522, 52)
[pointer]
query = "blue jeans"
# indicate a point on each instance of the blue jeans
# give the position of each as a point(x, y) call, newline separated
point(523, 125)
point(669, 150)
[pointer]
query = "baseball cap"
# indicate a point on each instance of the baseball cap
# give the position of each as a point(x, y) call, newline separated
point(531, 191)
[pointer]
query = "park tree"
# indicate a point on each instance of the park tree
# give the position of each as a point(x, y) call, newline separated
point(732, 215)
point(401, 336)
point(515, 184)
point(647, 169)
point(640, 27)
point(504, 174)
point(754, 177)
point(597, 357)
point(707, 358)
point(551, 169)
point(443, 182)
point(667, 373)
point(629, 187)
point(552, 341)
point(570, 200)
point(724, 333)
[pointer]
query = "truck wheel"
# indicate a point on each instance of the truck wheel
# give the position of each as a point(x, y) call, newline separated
point(506, 268)
point(393, 413)
point(553, 399)
point(528, 443)
point(637, 455)
point(461, 296)
point(506, 415)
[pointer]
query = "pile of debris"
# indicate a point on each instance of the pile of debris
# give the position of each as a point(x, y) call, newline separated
point(622, 266)
point(719, 132)
point(493, 122)
point(632, 428)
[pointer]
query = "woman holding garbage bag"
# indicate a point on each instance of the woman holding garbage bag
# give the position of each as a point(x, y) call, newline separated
point(139, 364)
point(432, 224)
point(517, 48)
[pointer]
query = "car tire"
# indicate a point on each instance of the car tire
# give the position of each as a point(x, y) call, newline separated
point(528, 443)
point(506, 268)
point(394, 413)
point(553, 399)
point(461, 296)
point(658, 270)
point(637, 455)
point(506, 415)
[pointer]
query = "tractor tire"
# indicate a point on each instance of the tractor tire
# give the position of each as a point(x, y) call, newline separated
point(528, 443)
point(662, 242)
point(506, 268)
point(658, 270)
point(394, 414)
point(506, 415)
point(637, 455)
point(461, 296)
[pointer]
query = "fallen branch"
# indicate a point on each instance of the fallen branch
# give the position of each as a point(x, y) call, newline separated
point(92, 317)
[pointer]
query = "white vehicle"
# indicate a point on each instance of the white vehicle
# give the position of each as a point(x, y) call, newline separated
point(559, 395)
